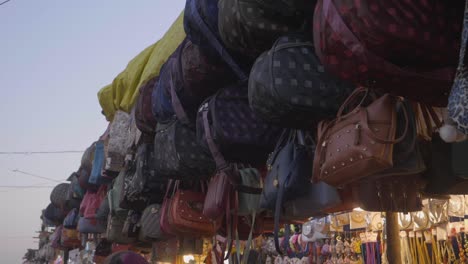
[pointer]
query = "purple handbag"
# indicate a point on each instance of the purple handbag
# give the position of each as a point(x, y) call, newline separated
point(239, 134)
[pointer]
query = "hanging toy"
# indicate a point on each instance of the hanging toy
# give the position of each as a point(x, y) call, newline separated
point(339, 246)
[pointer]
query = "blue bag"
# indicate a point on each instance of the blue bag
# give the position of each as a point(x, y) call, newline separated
point(161, 97)
point(98, 163)
point(71, 220)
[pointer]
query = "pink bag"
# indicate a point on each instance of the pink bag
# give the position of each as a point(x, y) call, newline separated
point(91, 202)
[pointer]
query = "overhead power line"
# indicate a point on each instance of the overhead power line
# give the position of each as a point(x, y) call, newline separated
point(34, 175)
point(40, 152)
point(4, 2)
point(24, 186)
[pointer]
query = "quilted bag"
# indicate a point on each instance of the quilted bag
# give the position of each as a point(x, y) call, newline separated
point(250, 27)
point(179, 155)
point(408, 49)
point(141, 185)
point(289, 86)
point(116, 147)
point(239, 134)
point(194, 77)
point(144, 117)
point(458, 109)
point(150, 223)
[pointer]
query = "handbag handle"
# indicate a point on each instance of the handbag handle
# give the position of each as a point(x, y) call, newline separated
point(217, 156)
point(358, 91)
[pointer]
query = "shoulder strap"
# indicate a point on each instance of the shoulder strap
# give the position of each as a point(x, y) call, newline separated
point(216, 44)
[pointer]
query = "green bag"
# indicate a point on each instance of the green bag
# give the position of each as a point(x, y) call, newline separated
point(249, 203)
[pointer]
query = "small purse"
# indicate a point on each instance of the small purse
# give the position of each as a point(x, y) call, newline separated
point(358, 144)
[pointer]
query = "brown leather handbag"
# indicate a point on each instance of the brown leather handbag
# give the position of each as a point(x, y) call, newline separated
point(357, 144)
point(399, 188)
point(187, 214)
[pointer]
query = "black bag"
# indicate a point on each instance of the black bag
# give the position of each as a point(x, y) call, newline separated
point(289, 86)
point(237, 131)
point(179, 155)
point(59, 194)
point(446, 173)
point(141, 185)
point(250, 27)
point(150, 228)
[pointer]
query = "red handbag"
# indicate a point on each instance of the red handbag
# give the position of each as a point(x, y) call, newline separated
point(187, 214)
point(391, 45)
point(166, 217)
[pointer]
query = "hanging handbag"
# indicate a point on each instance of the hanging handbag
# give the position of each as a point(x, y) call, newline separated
point(178, 155)
point(289, 170)
point(144, 117)
point(239, 134)
point(186, 214)
point(70, 238)
point(358, 144)
point(399, 188)
point(288, 85)
point(458, 111)
point(441, 174)
point(71, 220)
point(150, 223)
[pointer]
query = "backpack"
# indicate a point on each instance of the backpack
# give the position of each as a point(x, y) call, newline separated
point(289, 87)
point(391, 46)
point(240, 134)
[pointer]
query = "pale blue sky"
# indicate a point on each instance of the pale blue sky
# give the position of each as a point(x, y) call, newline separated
point(54, 57)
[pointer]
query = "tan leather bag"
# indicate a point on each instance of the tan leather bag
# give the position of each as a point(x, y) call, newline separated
point(358, 144)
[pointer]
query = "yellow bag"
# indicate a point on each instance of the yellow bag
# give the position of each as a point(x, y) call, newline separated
point(123, 92)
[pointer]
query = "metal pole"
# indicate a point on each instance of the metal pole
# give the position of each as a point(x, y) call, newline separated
point(65, 256)
point(393, 238)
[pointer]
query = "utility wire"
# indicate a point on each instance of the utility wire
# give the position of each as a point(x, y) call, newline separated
point(39, 152)
point(34, 175)
point(25, 186)
point(4, 2)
